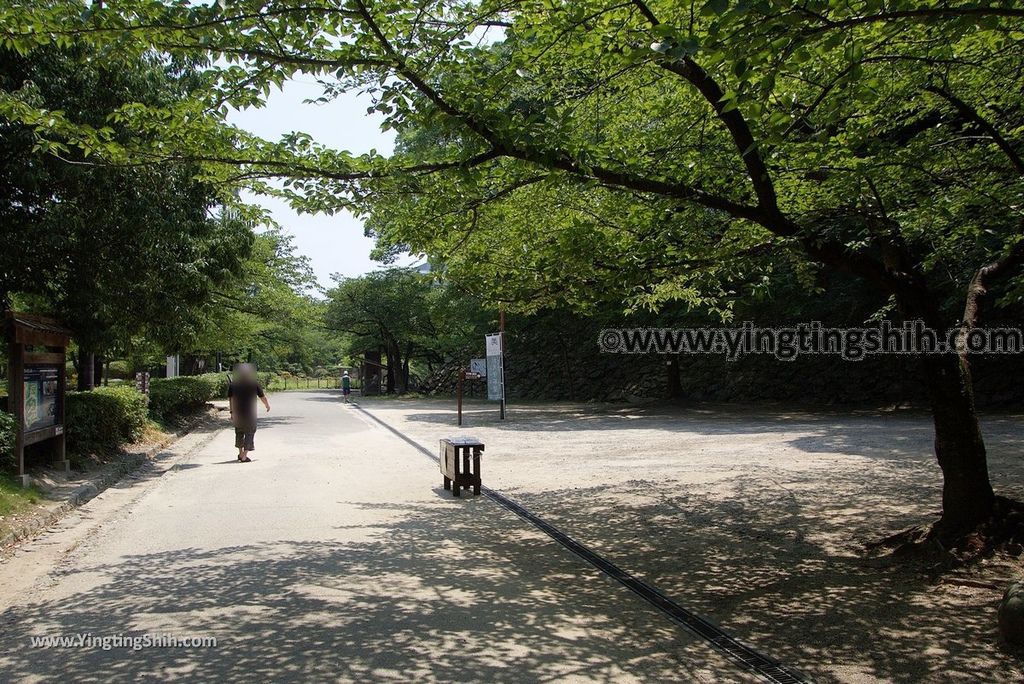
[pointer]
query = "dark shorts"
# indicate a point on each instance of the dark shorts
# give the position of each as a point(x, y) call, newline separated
point(244, 436)
point(346, 392)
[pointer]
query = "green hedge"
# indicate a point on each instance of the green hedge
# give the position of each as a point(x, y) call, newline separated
point(104, 419)
point(218, 383)
point(171, 398)
point(8, 428)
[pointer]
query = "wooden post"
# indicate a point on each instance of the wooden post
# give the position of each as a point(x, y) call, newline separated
point(16, 404)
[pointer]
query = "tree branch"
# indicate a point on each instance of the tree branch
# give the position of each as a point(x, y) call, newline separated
point(732, 119)
point(973, 115)
point(980, 282)
point(925, 14)
point(558, 159)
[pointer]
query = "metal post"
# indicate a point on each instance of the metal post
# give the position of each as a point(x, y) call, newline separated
point(462, 378)
point(501, 329)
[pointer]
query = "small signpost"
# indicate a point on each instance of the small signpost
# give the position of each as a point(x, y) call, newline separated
point(463, 376)
point(142, 382)
point(36, 348)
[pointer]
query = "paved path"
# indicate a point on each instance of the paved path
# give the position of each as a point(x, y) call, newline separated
point(334, 556)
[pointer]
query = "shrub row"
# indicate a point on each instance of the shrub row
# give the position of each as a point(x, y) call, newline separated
point(110, 417)
point(8, 428)
point(104, 419)
point(171, 398)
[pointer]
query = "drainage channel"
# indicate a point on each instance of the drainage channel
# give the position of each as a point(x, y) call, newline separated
point(744, 656)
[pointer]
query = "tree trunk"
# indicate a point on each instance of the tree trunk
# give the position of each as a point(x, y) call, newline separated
point(86, 371)
point(967, 496)
point(675, 387)
point(967, 492)
point(405, 367)
point(392, 369)
point(97, 370)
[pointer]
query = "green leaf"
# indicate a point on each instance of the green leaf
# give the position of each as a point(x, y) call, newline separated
point(715, 7)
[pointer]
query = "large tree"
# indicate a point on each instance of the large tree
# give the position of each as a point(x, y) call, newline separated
point(114, 251)
point(386, 311)
point(268, 314)
point(880, 138)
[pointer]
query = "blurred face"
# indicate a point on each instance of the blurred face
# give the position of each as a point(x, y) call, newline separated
point(244, 371)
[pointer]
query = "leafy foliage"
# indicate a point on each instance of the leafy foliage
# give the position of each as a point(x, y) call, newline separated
point(674, 143)
point(173, 398)
point(115, 252)
point(411, 318)
point(385, 310)
point(269, 313)
point(8, 434)
point(103, 420)
point(645, 151)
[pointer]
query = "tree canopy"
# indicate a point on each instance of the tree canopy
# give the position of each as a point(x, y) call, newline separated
point(114, 251)
point(642, 150)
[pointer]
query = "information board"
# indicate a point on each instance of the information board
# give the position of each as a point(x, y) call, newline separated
point(40, 397)
point(495, 379)
point(478, 366)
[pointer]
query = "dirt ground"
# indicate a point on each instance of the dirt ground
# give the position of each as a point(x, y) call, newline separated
point(758, 518)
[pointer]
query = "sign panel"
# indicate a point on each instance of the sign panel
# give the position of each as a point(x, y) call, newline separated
point(495, 378)
point(493, 344)
point(40, 397)
point(478, 366)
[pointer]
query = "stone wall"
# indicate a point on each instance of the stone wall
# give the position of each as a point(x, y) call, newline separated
point(570, 367)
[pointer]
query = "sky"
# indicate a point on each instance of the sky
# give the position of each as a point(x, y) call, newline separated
point(334, 244)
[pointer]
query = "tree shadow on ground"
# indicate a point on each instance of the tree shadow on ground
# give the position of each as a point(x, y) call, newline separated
point(425, 598)
point(707, 419)
point(759, 519)
point(791, 578)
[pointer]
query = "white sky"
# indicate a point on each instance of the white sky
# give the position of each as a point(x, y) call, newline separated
point(334, 244)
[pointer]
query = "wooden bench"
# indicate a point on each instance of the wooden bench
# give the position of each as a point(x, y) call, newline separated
point(460, 463)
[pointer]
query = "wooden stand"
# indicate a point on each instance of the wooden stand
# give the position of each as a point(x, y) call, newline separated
point(460, 464)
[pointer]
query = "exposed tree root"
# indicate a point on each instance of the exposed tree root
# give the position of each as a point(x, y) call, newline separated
point(937, 549)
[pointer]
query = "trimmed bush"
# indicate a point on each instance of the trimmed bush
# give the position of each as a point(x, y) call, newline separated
point(8, 428)
point(218, 383)
point(171, 398)
point(104, 419)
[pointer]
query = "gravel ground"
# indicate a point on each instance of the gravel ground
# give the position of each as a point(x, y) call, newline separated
point(757, 518)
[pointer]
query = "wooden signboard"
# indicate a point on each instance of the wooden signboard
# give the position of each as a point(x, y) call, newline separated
point(36, 348)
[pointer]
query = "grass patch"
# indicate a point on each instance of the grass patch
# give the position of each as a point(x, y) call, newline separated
point(408, 396)
point(14, 498)
point(155, 432)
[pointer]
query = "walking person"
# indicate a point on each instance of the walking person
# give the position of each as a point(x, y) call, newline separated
point(346, 385)
point(242, 395)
